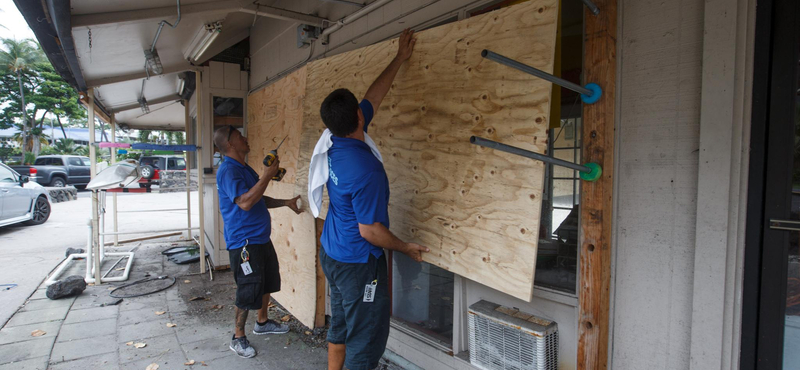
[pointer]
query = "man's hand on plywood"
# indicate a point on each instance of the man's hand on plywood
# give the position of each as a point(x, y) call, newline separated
point(377, 91)
point(406, 45)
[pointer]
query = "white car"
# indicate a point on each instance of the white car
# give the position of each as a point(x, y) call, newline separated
point(21, 200)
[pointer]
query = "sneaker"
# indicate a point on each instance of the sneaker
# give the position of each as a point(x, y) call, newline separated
point(270, 327)
point(242, 347)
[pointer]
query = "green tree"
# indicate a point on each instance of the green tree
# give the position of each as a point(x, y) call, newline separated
point(144, 136)
point(65, 146)
point(17, 57)
point(35, 134)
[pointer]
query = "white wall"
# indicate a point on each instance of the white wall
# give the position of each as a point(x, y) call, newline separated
point(659, 72)
point(684, 83)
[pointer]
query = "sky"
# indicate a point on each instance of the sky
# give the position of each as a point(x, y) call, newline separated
point(11, 19)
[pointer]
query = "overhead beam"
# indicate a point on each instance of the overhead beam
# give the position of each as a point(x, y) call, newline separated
point(139, 15)
point(136, 76)
point(151, 102)
point(97, 111)
point(283, 14)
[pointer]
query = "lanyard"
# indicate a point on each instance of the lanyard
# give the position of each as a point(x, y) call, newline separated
point(245, 255)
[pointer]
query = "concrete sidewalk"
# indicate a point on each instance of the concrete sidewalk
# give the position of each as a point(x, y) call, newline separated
point(81, 333)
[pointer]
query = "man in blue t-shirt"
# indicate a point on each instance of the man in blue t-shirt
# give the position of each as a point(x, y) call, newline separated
point(357, 226)
point(247, 234)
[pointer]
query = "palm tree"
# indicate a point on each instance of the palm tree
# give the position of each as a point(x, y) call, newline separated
point(17, 57)
point(27, 138)
point(65, 146)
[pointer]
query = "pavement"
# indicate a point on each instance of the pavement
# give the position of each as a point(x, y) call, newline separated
point(185, 326)
point(29, 253)
point(190, 322)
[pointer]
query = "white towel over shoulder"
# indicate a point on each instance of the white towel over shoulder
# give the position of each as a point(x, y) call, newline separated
point(318, 169)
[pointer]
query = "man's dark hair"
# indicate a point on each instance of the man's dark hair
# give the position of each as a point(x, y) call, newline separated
point(339, 112)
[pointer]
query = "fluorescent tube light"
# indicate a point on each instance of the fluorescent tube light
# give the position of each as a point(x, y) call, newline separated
point(203, 40)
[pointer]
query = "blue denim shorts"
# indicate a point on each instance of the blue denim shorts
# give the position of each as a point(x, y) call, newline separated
point(363, 327)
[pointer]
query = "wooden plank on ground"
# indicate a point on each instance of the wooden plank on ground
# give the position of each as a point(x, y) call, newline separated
point(477, 209)
point(596, 197)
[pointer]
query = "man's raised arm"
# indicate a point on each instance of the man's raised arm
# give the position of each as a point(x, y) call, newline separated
point(378, 90)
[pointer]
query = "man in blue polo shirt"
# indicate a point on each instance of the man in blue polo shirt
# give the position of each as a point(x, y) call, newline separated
point(247, 233)
point(357, 226)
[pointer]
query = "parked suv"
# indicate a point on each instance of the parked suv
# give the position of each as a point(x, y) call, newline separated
point(58, 170)
point(151, 165)
point(20, 200)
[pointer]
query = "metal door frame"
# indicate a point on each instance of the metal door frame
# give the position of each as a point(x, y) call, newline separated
point(769, 190)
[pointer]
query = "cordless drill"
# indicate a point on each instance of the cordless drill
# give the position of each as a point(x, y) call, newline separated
point(271, 157)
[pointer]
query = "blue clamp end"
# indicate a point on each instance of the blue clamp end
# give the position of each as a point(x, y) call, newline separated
point(597, 92)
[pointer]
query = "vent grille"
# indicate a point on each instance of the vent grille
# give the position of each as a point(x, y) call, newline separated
point(502, 338)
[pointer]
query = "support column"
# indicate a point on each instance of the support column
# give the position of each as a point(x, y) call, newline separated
point(198, 95)
point(113, 125)
point(600, 67)
point(188, 126)
point(95, 201)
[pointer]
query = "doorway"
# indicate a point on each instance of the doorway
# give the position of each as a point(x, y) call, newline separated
point(771, 300)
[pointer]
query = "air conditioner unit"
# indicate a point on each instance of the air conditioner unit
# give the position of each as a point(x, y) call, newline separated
point(503, 338)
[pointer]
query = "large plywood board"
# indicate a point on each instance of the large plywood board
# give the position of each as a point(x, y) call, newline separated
point(477, 209)
point(274, 113)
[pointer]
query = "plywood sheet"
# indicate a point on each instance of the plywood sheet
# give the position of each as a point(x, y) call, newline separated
point(477, 209)
point(274, 113)
point(294, 238)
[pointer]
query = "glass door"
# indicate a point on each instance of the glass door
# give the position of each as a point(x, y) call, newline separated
point(773, 313)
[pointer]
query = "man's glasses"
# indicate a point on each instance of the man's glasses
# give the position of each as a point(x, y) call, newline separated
point(230, 131)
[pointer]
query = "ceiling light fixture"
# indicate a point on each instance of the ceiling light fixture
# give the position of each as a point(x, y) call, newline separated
point(153, 61)
point(143, 105)
point(202, 41)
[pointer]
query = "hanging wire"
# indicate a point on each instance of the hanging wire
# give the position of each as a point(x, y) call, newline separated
point(90, 46)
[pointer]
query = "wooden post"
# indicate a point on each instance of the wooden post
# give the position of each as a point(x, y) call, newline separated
point(596, 197)
point(319, 316)
point(198, 95)
point(95, 200)
point(187, 119)
point(113, 125)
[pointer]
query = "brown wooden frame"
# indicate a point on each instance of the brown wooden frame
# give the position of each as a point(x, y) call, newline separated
point(596, 197)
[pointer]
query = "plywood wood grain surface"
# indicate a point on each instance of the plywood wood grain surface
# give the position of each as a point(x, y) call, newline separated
point(274, 113)
point(477, 209)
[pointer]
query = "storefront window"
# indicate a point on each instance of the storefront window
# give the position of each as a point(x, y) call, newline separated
point(557, 257)
point(422, 298)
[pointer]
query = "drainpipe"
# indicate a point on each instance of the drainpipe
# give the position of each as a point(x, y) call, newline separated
point(351, 18)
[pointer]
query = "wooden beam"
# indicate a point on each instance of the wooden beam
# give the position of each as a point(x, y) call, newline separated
point(97, 112)
point(596, 197)
point(319, 316)
point(140, 15)
point(283, 14)
point(163, 99)
point(137, 76)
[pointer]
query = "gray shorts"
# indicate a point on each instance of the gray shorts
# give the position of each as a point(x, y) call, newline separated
point(362, 326)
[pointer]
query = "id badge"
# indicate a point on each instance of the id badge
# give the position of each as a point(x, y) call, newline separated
point(246, 268)
point(369, 291)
